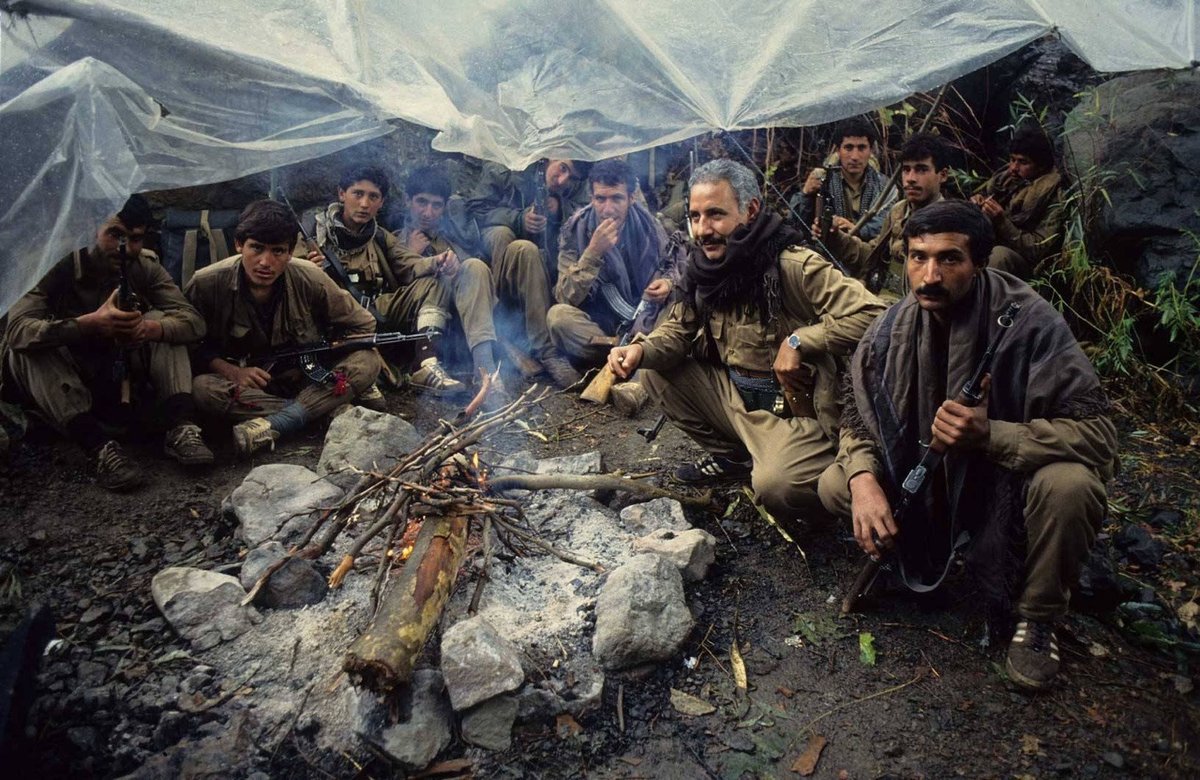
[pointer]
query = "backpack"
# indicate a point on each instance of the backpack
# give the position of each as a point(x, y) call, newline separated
point(191, 240)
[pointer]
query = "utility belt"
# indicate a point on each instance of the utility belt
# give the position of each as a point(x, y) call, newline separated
point(761, 391)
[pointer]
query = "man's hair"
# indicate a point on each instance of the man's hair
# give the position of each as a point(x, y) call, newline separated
point(369, 173)
point(612, 173)
point(925, 146)
point(744, 184)
point(268, 222)
point(430, 179)
point(954, 216)
point(136, 213)
point(854, 127)
point(1031, 141)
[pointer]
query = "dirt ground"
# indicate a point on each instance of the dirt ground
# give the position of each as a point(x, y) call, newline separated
point(933, 703)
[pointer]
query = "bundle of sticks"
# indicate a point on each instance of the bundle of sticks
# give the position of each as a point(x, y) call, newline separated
point(434, 496)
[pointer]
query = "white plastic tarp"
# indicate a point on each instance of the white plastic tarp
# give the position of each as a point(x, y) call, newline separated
point(102, 99)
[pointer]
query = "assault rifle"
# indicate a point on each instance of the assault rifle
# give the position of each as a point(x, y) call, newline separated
point(127, 300)
point(340, 274)
point(823, 205)
point(914, 484)
point(601, 385)
point(540, 195)
point(306, 357)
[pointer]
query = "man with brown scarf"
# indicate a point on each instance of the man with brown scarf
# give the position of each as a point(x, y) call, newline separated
point(772, 317)
point(1029, 461)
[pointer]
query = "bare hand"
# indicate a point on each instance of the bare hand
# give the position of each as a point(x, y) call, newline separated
point(874, 528)
point(417, 242)
point(534, 222)
point(842, 224)
point(109, 322)
point(147, 330)
point(788, 369)
point(657, 291)
point(250, 376)
point(956, 425)
point(812, 184)
point(623, 361)
point(815, 227)
point(316, 255)
point(604, 238)
point(552, 205)
point(447, 264)
point(991, 208)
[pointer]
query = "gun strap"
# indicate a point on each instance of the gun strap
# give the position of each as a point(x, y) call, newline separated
point(617, 303)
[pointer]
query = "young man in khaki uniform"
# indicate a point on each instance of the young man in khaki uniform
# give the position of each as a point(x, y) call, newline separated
point(258, 302)
point(65, 337)
point(772, 318)
point(613, 254)
point(852, 186)
point(1024, 203)
point(1030, 460)
point(412, 290)
point(429, 231)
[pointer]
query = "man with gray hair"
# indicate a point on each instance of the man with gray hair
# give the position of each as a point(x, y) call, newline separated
point(772, 318)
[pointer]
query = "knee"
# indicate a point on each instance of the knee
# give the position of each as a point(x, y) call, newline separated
point(772, 486)
point(209, 392)
point(474, 271)
point(1068, 489)
point(559, 317)
point(361, 369)
point(525, 252)
point(833, 491)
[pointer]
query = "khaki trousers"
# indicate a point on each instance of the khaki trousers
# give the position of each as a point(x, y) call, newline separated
point(426, 303)
point(519, 280)
point(1063, 510)
point(788, 455)
point(61, 381)
point(572, 331)
point(215, 395)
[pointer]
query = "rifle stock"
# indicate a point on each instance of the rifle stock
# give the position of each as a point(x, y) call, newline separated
point(600, 388)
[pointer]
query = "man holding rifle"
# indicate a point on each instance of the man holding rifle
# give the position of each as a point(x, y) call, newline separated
point(852, 186)
point(613, 254)
point(65, 338)
point(258, 302)
point(1024, 468)
point(771, 317)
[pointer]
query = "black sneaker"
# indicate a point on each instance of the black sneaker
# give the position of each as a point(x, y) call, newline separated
point(115, 471)
point(1033, 659)
point(713, 467)
point(184, 444)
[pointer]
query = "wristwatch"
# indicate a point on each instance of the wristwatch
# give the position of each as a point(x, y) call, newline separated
point(793, 341)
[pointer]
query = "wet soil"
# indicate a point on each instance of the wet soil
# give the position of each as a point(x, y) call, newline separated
point(112, 696)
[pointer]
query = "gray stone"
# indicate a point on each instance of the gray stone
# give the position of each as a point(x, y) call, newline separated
point(478, 663)
point(366, 440)
point(202, 606)
point(538, 704)
point(641, 519)
point(586, 463)
point(489, 724)
point(691, 551)
point(1138, 546)
point(428, 730)
point(296, 584)
point(641, 615)
point(278, 500)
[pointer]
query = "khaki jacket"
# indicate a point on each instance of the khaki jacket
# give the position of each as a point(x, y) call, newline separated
point(1032, 223)
point(862, 257)
point(827, 310)
point(501, 196)
point(311, 308)
point(383, 268)
point(46, 316)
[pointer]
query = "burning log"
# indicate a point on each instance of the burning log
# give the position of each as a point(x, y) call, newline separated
point(383, 657)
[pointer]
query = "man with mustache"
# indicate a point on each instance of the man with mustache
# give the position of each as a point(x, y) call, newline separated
point(613, 254)
point(1024, 203)
point(258, 302)
point(1024, 470)
point(924, 160)
point(65, 337)
point(414, 291)
point(772, 318)
point(852, 186)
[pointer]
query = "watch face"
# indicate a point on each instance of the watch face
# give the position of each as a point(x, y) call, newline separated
point(793, 341)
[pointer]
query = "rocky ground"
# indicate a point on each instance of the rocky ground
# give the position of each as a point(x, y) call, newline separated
point(904, 689)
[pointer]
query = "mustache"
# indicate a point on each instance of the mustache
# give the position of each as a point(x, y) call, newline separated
point(712, 241)
point(932, 291)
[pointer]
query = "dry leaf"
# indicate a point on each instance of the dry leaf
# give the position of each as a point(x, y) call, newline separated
point(566, 726)
point(631, 760)
point(1030, 745)
point(1188, 614)
point(739, 666)
point(1176, 586)
point(451, 766)
point(806, 764)
point(688, 704)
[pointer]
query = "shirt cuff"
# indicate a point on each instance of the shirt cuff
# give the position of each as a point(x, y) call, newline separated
point(1004, 443)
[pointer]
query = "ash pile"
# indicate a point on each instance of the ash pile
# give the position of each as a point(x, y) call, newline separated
point(407, 592)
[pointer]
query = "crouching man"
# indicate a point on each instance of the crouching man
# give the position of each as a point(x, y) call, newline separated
point(1028, 462)
point(258, 302)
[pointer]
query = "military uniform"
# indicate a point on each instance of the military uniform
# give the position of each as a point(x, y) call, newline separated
point(849, 201)
point(306, 307)
point(596, 294)
point(1031, 227)
point(883, 255)
point(61, 370)
point(828, 311)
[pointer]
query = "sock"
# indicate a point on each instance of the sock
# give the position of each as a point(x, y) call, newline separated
point(85, 429)
point(178, 409)
point(427, 349)
point(483, 358)
point(289, 419)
